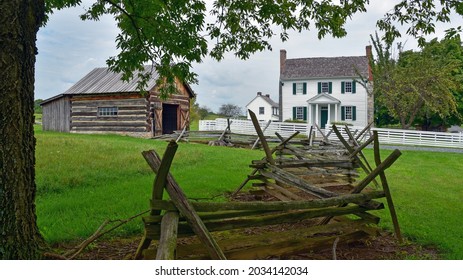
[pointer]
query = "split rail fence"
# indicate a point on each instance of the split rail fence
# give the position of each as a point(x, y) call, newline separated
point(308, 192)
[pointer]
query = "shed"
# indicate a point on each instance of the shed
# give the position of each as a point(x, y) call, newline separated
point(102, 103)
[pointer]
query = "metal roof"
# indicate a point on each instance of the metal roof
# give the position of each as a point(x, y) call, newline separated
point(102, 80)
point(325, 67)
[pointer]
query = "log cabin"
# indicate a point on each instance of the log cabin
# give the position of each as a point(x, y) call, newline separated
point(102, 103)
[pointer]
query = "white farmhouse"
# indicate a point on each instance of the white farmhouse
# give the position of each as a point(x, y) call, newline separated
point(323, 90)
point(264, 107)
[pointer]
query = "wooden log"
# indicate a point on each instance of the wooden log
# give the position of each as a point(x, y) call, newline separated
point(253, 246)
point(263, 141)
point(257, 140)
point(357, 198)
point(184, 229)
point(386, 189)
point(284, 191)
point(361, 147)
point(168, 239)
point(380, 168)
point(283, 142)
point(351, 151)
point(185, 208)
point(356, 144)
point(314, 163)
point(365, 129)
point(276, 194)
point(287, 178)
point(288, 247)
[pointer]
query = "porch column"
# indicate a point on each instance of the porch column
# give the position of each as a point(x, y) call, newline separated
point(329, 115)
point(309, 114)
point(336, 112)
point(316, 113)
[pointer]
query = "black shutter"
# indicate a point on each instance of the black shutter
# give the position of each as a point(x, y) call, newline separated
point(330, 87)
point(304, 89)
point(305, 113)
point(319, 87)
point(343, 85)
point(343, 113)
point(354, 113)
point(294, 88)
point(294, 113)
point(353, 87)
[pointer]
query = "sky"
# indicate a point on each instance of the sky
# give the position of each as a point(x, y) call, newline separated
point(69, 48)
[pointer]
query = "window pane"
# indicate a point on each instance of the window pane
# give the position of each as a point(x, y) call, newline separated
point(325, 87)
point(348, 86)
point(107, 111)
point(299, 113)
point(299, 88)
point(261, 110)
point(348, 112)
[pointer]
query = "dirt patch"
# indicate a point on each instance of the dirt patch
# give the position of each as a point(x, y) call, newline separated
point(382, 247)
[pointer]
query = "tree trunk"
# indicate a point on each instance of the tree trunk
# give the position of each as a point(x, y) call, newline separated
point(19, 23)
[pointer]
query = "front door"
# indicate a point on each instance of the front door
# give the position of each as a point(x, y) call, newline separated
point(169, 118)
point(324, 116)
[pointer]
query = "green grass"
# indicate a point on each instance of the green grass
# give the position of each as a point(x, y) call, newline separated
point(82, 180)
point(427, 190)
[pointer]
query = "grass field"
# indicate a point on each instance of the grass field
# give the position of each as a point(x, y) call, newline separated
point(82, 180)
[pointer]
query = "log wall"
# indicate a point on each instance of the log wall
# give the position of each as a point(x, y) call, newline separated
point(56, 115)
point(132, 114)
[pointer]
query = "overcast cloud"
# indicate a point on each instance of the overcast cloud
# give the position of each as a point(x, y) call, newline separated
point(70, 48)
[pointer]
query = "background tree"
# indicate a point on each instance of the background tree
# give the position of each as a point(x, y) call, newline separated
point(230, 110)
point(414, 83)
point(169, 34)
point(198, 112)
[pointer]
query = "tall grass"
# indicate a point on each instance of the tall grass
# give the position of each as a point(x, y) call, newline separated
point(82, 180)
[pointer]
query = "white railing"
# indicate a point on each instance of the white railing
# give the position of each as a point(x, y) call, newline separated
point(246, 127)
point(386, 136)
point(409, 137)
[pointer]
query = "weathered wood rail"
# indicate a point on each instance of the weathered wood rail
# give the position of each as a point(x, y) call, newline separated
point(311, 196)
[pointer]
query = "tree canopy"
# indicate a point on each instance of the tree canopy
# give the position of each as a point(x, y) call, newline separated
point(173, 34)
point(417, 85)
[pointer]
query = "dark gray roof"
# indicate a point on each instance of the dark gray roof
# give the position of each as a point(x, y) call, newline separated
point(325, 67)
point(101, 80)
point(270, 101)
point(266, 98)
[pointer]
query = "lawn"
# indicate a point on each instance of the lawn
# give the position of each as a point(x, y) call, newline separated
point(82, 180)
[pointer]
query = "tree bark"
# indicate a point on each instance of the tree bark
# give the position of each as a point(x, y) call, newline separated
point(19, 23)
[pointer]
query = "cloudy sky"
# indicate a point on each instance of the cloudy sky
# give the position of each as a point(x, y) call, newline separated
point(70, 48)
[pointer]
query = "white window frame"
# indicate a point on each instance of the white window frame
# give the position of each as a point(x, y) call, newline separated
point(348, 112)
point(261, 110)
point(348, 87)
point(108, 111)
point(300, 113)
point(299, 88)
point(325, 87)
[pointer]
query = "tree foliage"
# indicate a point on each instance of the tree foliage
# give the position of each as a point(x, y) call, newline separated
point(173, 34)
point(415, 83)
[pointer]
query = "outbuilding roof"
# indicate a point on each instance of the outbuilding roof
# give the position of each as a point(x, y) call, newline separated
point(325, 67)
point(102, 80)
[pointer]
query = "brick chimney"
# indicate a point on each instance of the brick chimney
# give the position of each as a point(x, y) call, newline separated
point(282, 60)
point(370, 57)
point(259, 93)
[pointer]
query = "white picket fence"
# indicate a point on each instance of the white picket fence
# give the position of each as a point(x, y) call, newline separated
point(386, 136)
point(246, 127)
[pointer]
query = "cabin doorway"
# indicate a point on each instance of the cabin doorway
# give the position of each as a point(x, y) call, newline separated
point(169, 118)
